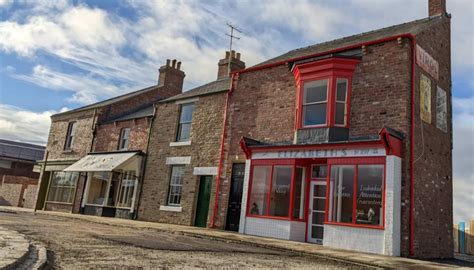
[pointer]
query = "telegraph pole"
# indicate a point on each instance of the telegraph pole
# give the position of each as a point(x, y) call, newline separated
point(231, 35)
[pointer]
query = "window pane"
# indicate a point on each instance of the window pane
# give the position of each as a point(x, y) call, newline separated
point(259, 192)
point(98, 187)
point(315, 91)
point(113, 190)
point(341, 90)
point(342, 180)
point(314, 114)
point(319, 171)
point(369, 194)
point(184, 132)
point(340, 113)
point(62, 187)
point(298, 193)
point(317, 232)
point(280, 195)
point(186, 113)
point(176, 183)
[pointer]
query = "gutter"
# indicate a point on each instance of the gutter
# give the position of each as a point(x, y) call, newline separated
point(412, 38)
point(135, 215)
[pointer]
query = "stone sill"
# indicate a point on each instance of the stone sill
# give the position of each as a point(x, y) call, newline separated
point(171, 208)
point(186, 143)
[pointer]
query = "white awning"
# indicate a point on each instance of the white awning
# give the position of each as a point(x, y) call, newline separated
point(101, 162)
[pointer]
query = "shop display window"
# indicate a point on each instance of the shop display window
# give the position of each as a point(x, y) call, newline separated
point(62, 187)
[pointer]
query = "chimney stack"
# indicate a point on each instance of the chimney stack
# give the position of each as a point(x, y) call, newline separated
point(171, 75)
point(436, 7)
point(235, 64)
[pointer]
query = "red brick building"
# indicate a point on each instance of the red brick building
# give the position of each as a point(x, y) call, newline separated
point(346, 143)
point(18, 180)
point(95, 154)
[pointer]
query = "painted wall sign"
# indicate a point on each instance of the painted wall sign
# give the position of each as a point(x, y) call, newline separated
point(326, 153)
point(427, 62)
point(425, 98)
point(441, 110)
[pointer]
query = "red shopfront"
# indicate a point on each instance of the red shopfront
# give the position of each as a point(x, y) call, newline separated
point(342, 195)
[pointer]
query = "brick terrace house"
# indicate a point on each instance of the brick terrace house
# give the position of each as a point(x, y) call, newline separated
point(346, 143)
point(184, 152)
point(95, 153)
point(18, 180)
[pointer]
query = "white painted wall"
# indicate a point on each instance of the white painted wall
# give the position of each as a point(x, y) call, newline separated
point(275, 228)
point(352, 238)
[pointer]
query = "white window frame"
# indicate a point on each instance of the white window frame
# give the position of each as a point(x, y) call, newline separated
point(127, 176)
point(124, 140)
point(178, 134)
point(70, 135)
point(303, 104)
point(171, 184)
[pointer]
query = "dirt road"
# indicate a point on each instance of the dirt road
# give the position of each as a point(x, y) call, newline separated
point(77, 244)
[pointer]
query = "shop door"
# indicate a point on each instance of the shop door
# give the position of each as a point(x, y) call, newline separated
point(204, 196)
point(235, 197)
point(317, 206)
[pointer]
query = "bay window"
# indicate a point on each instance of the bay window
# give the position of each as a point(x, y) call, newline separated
point(62, 187)
point(98, 188)
point(356, 195)
point(324, 92)
point(277, 190)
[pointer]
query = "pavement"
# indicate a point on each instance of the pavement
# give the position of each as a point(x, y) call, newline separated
point(318, 251)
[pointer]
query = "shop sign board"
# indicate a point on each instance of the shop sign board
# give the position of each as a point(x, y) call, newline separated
point(425, 98)
point(324, 153)
point(427, 62)
point(441, 109)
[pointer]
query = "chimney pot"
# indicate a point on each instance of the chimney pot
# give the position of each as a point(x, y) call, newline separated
point(227, 53)
point(232, 54)
point(173, 63)
point(238, 56)
point(168, 62)
point(179, 65)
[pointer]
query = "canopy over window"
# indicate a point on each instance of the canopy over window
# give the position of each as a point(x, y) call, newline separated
point(105, 162)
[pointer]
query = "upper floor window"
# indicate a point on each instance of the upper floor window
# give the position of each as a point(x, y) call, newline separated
point(124, 139)
point(324, 92)
point(71, 132)
point(185, 121)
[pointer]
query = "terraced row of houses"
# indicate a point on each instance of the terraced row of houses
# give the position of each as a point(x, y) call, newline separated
point(346, 143)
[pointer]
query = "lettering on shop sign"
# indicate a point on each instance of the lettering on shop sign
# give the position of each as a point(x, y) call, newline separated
point(370, 195)
point(324, 153)
point(282, 189)
point(427, 62)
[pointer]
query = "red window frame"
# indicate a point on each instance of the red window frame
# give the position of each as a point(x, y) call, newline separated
point(355, 162)
point(330, 69)
point(272, 163)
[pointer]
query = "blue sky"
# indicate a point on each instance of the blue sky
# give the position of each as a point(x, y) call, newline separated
point(58, 55)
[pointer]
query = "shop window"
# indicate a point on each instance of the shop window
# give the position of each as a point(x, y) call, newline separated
point(298, 194)
point(71, 133)
point(280, 193)
point(357, 194)
point(369, 194)
point(114, 190)
point(259, 192)
point(62, 187)
point(315, 98)
point(124, 139)
point(176, 185)
point(319, 172)
point(342, 178)
point(127, 189)
point(185, 121)
point(98, 188)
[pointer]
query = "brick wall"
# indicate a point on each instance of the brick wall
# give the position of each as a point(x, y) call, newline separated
point(108, 135)
point(433, 155)
point(18, 190)
point(20, 169)
point(204, 152)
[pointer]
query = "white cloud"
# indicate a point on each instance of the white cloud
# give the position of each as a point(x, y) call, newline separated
point(25, 126)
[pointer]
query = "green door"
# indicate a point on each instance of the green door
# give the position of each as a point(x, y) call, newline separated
point(203, 201)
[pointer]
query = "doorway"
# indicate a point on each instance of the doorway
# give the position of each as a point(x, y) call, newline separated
point(235, 197)
point(317, 205)
point(202, 209)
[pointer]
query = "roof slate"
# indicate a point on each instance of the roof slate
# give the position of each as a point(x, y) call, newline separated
point(18, 150)
point(140, 113)
point(217, 86)
point(413, 27)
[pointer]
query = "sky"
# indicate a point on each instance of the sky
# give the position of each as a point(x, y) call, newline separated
point(58, 55)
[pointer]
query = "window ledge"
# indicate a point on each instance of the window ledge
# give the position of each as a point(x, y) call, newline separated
point(68, 151)
point(355, 225)
point(186, 143)
point(170, 208)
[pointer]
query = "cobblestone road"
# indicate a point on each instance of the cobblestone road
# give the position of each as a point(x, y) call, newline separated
point(77, 244)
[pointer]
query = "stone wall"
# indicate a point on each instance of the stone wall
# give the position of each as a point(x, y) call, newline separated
point(108, 135)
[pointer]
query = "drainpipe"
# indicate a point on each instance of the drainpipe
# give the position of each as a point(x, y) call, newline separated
point(221, 159)
point(135, 216)
point(412, 124)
